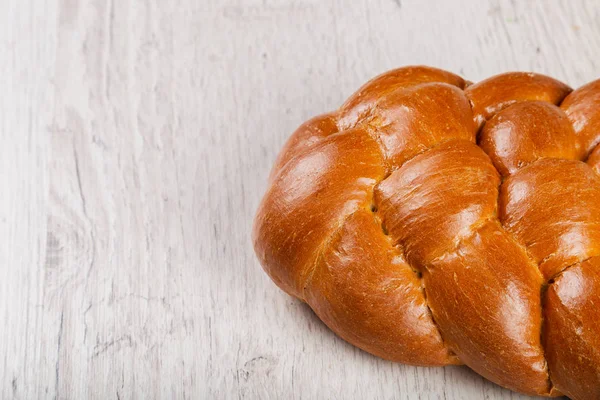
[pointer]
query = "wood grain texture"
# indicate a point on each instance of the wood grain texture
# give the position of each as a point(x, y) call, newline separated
point(137, 140)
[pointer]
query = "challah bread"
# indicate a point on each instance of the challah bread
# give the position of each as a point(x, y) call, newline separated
point(431, 221)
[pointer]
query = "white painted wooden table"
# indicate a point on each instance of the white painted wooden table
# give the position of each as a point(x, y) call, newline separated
point(136, 140)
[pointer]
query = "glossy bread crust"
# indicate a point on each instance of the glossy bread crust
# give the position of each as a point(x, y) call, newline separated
point(433, 222)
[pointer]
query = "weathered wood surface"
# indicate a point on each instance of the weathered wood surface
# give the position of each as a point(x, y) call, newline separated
point(137, 136)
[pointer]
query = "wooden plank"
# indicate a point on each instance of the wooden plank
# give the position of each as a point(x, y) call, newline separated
point(138, 137)
point(27, 48)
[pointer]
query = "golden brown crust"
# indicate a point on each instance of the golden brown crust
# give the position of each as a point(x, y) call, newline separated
point(594, 160)
point(572, 332)
point(568, 229)
point(485, 296)
point(527, 131)
point(364, 290)
point(389, 220)
point(306, 136)
point(412, 201)
point(365, 98)
point(583, 109)
point(498, 92)
point(412, 120)
point(308, 199)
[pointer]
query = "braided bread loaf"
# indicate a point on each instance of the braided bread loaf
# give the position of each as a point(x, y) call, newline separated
point(431, 221)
